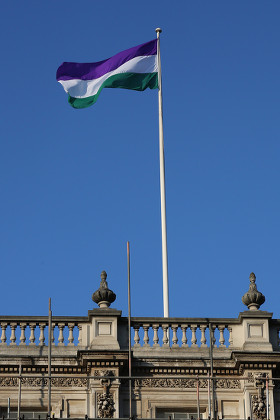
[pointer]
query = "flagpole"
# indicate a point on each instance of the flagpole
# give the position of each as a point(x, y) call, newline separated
point(49, 360)
point(129, 331)
point(162, 188)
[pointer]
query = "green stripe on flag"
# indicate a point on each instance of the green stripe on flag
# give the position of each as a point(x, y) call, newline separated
point(134, 81)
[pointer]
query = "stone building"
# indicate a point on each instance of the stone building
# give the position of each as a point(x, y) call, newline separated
point(177, 370)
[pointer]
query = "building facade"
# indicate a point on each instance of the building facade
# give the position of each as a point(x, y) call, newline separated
point(181, 367)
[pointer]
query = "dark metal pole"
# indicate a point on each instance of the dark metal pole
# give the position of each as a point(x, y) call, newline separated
point(50, 360)
point(267, 398)
point(19, 392)
point(209, 396)
point(211, 367)
point(129, 331)
point(197, 394)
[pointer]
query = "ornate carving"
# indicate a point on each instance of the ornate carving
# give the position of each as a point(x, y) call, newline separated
point(228, 383)
point(43, 382)
point(169, 383)
point(185, 383)
point(259, 407)
point(105, 403)
point(251, 377)
point(103, 296)
point(259, 401)
point(8, 382)
point(70, 382)
point(253, 298)
point(100, 372)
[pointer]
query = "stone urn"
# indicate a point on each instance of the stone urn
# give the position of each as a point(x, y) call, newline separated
point(253, 299)
point(103, 296)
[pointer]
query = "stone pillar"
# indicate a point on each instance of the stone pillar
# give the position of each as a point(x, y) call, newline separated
point(255, 331)
point(104, 329)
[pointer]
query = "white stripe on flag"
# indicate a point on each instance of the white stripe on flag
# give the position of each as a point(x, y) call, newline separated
point(78, 88)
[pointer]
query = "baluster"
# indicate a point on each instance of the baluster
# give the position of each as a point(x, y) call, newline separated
point(165, 339)
point(22, 334)
point(71, 337)
point(52, 332)
point(230, 340)
point(42, 326)
point(203, 338)
point(146, 335)
point(213, 336)
point(184, 335)
point(13, 326)
point(174, 337)
point(155, 327)
point(60, 337)
point(80, 327)
point(194, 339)
point(221, 329)
point(32, 327)
point(3, 335)
point(136, 336)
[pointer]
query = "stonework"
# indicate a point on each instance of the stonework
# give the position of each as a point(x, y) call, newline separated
point(172, 364)
point(43, 382)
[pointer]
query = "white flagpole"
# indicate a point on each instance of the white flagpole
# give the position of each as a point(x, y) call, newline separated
point(50, 360)
point(162, 189)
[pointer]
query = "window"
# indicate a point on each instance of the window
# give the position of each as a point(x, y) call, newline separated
point(28, 414)
point(163, 413)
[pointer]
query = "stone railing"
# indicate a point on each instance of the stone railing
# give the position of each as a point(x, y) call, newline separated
point(106, 328)
point(33, 331)
point(182, 332)
point(274, 333)
point(251, 330)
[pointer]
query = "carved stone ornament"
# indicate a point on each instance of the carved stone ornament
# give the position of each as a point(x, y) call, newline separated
point(251, 378)
point(186, 383)
point(103, 296)
point(259, 401)
point(105, 404)
point(259, 407)
point(253, 298)
point(105, 401)
point(43, 382)
point(102, 372)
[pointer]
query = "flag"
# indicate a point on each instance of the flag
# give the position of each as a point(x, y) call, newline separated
point(135, 68)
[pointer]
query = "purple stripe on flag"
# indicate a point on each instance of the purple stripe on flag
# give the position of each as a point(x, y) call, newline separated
point(90, 71)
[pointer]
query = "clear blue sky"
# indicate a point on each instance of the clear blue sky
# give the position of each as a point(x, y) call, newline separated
point(75, 185)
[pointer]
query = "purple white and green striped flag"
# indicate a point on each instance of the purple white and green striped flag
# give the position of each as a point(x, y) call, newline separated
point(135, 68)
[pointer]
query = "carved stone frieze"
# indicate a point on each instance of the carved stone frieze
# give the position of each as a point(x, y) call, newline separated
point(228, 383)
point(43, 382)
point(103, 372)
point(8, 382)
point(251, 377)
point(186, 383)
point(169, 383)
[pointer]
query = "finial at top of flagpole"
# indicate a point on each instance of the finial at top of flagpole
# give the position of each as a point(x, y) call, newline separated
point(158, 30)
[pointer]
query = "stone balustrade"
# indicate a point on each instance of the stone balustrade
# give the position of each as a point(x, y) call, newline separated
point(106, 328)
point(33, 331)
point(182, 332)
point(248, 330)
